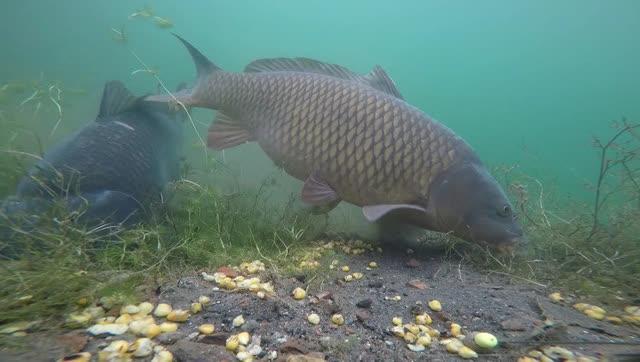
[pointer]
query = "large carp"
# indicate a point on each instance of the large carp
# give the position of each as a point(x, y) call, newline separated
point(352, 137)
point(109, 171)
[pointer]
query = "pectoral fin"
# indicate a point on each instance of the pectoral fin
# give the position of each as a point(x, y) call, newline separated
point(375, 212)
point(317, 192)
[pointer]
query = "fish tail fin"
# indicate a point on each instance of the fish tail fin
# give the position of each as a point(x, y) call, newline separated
point(204, 67)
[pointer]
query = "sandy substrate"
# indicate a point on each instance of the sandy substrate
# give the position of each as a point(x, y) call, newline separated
point(514, 312)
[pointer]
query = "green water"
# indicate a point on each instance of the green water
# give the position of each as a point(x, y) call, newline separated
point(524, 82)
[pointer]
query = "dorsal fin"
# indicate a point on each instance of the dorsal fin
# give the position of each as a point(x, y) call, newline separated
point(377, 78)
point(203, 65)
point(116, 99)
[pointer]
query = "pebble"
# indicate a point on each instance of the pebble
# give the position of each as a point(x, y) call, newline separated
point(250, 325)
point(363, 315)
point(364, 303)
point(77, 357)
point(169, 338)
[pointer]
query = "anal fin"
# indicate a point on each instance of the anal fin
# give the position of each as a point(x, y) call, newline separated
point(319, 194)
point(226, 132)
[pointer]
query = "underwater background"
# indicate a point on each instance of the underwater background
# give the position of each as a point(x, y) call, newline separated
point(538, 88)
point(526, 83)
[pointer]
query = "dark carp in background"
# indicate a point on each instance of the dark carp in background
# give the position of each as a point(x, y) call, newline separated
point(110, 171)
point(352, 137)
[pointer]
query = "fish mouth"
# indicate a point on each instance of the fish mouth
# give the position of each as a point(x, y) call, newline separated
point(510, 245)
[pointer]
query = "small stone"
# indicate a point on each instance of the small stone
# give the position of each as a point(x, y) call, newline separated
point(416, 347)
point(227, 271)
point(364, 303)
point(204, 300)
point(169, 338)
point(413, 263)
point(345, 268)
point(362, 315)
point(417, 283)
point(373, 264)
point(376, 284)
point(515, 324)
point(357, 275)
point(250, 325)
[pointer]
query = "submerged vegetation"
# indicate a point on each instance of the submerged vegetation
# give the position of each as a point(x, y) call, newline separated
point(200, 229)
point(589, 249)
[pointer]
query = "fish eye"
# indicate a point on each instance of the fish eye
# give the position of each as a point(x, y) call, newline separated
point(505, 211)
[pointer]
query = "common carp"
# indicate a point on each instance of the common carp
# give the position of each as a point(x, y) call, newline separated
point(353, 138)
point(112, 169)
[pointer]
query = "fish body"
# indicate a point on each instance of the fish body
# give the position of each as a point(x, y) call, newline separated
point(353, 138)
point(112, 169)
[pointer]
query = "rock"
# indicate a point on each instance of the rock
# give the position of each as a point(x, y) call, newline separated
point(363, 315)
point(375, 284)
point(250, 325)
point(231, 273)
point(417, 283)
point(413, 263)
point(169, 338)
point(184, 350)
point(311, 357)
point(293, 346)
point(365, 303)
point(219, 339)
point(73, 342)
point(515, 324)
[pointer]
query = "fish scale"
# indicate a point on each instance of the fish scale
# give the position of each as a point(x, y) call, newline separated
point(349, 133)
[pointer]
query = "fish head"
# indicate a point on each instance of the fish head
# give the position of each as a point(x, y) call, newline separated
point(468, 202)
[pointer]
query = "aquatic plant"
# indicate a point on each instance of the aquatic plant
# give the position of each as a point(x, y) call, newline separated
point(587, 248)
point(198, 228)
